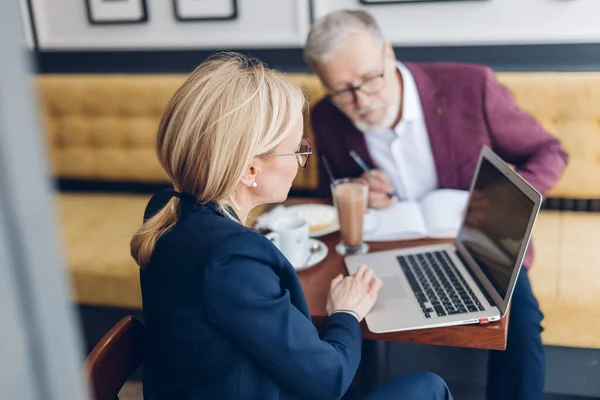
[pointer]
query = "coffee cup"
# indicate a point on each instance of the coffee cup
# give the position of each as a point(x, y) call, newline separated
point(290, 236)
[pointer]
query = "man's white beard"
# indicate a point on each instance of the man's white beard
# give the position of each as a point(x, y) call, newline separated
point(389, 118)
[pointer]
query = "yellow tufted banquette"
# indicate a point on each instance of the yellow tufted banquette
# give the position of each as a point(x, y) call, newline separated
point(102, 128)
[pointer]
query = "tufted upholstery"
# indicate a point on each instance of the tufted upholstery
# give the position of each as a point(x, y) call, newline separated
point(568, 106)
point(102, 127)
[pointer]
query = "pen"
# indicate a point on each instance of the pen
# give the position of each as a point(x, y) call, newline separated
point(365, 168)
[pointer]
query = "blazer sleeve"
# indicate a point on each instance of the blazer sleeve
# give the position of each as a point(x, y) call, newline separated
point(244, 300)
point(519, 139)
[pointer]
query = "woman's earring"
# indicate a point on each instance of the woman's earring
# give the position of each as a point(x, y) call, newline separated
point(254, 184)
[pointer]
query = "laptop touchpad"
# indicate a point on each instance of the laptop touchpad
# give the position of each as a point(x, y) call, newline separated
point(391, 289)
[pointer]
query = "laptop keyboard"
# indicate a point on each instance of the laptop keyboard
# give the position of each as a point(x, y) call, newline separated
point(437, 285)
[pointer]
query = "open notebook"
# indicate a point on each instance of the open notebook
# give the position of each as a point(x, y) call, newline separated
point(437, 215)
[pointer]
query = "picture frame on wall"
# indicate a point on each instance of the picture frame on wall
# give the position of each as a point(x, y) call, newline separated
point(205, 10)
point(378, 2)
point(109, 12)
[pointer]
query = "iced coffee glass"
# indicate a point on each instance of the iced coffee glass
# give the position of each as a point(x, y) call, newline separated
point(350, 198)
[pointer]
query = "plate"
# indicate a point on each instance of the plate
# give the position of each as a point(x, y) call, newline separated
point(315, 257)
point(298, 210)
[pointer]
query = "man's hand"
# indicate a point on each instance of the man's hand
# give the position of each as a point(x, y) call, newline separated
point(380, 189)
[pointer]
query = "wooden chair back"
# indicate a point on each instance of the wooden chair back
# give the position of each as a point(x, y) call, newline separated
point(114, 358)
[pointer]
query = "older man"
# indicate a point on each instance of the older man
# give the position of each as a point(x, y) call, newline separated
point(421, 127)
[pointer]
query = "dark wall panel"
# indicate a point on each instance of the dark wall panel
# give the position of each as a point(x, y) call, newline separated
point(547, 57)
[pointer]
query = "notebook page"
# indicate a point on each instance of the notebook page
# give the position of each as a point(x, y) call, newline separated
point(443, 212)
point(400, 221)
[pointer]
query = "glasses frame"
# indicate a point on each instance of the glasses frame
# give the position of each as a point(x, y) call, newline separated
point(298, 153)
point(354, 89)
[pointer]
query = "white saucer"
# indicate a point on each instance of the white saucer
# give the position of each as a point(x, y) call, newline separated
point(265, 220)
point(334, 226)
point(315, 257)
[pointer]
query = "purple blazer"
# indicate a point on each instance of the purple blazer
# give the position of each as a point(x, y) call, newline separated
point(465, 107)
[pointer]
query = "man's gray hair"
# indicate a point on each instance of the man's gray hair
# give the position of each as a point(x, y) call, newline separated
point(327, 34)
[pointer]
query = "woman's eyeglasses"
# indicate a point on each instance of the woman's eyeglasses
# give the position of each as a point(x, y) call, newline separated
point(302, 155)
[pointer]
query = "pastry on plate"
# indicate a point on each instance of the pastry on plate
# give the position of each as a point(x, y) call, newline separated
point(318, 217)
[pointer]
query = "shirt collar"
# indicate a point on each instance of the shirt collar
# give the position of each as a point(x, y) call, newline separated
point(411, 108)
point(410, 95)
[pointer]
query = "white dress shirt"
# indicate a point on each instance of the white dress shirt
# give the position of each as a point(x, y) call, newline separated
point(404, 153)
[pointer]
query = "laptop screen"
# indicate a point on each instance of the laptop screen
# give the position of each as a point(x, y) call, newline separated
point(495, 225)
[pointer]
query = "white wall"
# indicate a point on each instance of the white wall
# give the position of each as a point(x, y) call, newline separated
point(482, 22)
point(62, 24)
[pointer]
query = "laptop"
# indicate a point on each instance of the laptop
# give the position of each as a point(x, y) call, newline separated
point(470, 281)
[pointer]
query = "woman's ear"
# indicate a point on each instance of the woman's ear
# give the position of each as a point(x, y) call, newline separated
point(250, 175)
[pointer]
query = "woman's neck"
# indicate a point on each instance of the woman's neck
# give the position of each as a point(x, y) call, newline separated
point(242, 209)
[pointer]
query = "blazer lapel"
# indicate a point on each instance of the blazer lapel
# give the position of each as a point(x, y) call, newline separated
point(433, 103)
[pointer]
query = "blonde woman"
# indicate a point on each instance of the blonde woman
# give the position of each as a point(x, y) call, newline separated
point(225, 314)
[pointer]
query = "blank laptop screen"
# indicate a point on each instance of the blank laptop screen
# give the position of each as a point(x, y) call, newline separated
point(495, 225)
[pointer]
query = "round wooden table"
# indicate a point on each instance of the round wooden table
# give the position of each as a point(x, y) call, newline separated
point(316, 281)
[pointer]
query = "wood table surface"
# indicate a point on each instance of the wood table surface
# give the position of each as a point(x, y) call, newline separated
point(316, 280)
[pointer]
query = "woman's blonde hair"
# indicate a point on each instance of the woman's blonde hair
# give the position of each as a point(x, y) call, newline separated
point(229, 110)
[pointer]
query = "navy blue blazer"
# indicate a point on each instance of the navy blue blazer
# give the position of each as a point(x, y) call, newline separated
point(226, 317)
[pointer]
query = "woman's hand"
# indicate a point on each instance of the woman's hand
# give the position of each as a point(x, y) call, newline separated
point(356, 293)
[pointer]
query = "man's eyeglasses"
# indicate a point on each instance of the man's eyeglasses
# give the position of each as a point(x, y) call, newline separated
point(371, 85)
point(302, 155)
point(347, 96)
